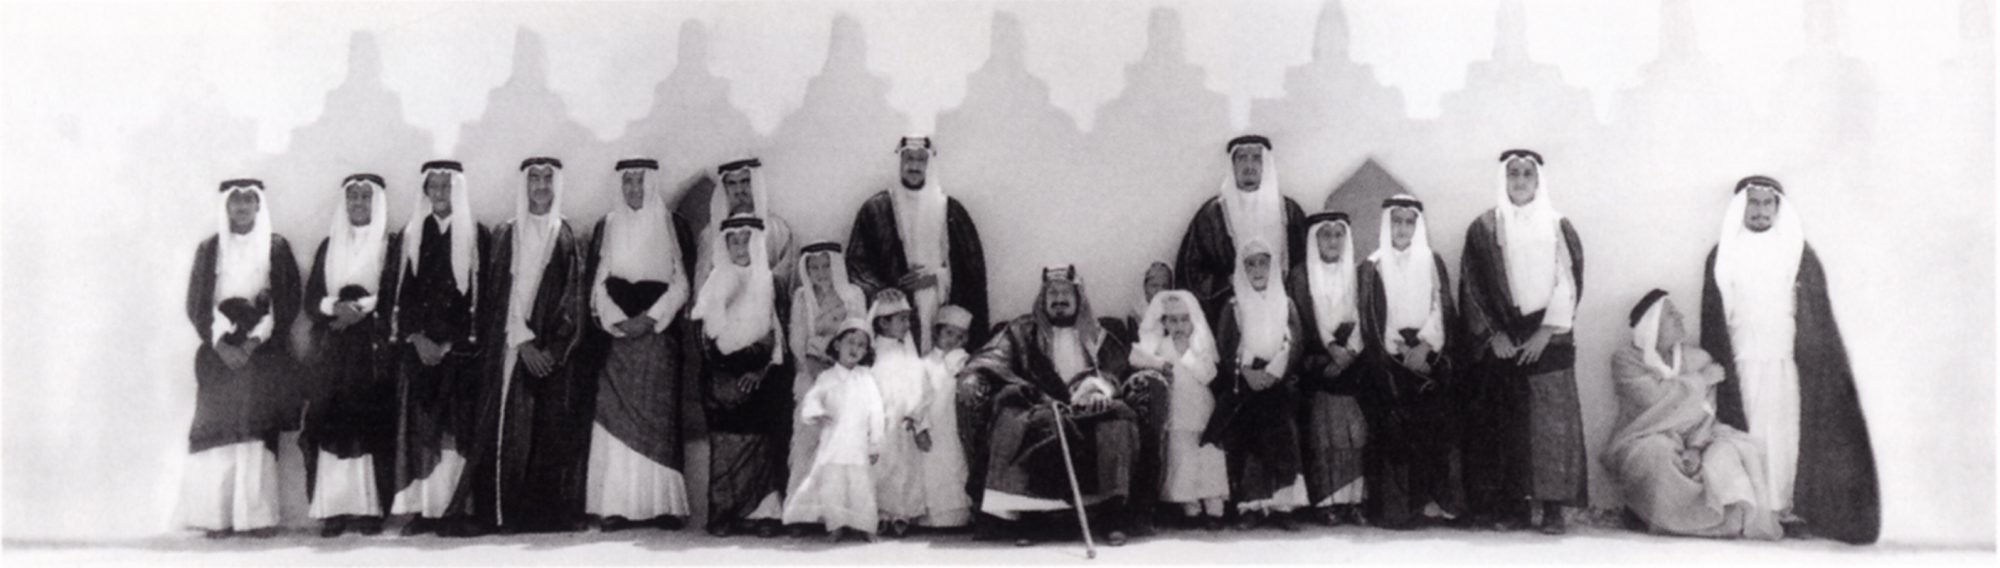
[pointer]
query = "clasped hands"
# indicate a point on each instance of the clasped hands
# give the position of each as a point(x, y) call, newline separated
point(1527, 352)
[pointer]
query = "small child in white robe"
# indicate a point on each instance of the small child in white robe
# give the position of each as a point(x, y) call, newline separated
point(1175, 345)
point(839, 490)
point(944, 467)
point(903, 377)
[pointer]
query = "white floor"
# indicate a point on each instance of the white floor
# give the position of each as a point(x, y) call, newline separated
point(1345, 545)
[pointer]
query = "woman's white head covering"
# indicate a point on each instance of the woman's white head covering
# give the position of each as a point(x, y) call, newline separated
point(1531, 237)
point(1754, 268)
point(735, 304)
point(1646, 334)
point(534, 244)
point(462, 227)
point(1153, 337)
point(1409, 276)
point(1263, 316)
point(354, 254)
point(1258, 214)
point(1332, 284)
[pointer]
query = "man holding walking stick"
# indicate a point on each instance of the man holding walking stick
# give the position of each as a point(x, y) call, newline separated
point(1057, 354)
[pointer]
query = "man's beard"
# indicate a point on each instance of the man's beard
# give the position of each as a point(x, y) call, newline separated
point(1068, 320)
point(907, 185)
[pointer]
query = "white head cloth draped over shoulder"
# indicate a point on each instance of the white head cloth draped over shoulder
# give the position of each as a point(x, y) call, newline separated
point(1154, 339)
point(242, 262)
point(534, 242)
point(1409, 278)
point(639, 244)
point(718, 202)
point(1537, 255)
point(1259, 213)
point(851, 296)
point(1331, 283)
point(735, 306)
point(1646, 334)
point(1755, 271)
point(354, 254)
point(460, 227)
point(1263, 316)
point(920, 223)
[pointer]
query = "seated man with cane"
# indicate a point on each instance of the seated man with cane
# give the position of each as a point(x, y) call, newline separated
point(1057, 360)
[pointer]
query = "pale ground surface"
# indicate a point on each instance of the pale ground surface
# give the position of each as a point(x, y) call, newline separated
point(1342, 546)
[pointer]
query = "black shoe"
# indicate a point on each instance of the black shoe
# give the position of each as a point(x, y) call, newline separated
point(217, 534)
point(367, 526)
point(417, 526)
point(266, 532)
point(670, 522)
point(1281, 520)
point(332, 526)
point(1115, 538)
point(718, 529)
point(769, 528)
point(988, 528)
point(1142, 526)
point(464, 528)
point(1246, 521)
point(615, 524)
point(1552, 520)
point(1212, 524)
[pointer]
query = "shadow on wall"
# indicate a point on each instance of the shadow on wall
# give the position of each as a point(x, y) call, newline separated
point(1644, 191)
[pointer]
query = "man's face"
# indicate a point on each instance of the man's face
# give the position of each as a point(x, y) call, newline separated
point(818, 270)
point(1332, 239)
point(1158, 278)
point(1672, 330)
point(1059, 300)
point(541, 190)
point(1248, 163)
point(948, 337)
point(437, 187)
point(736, 186)
point(893, 326)
point(1760, 209)
point(632, 184)
point(1522, 180)
point(915, 163)
point(360, 205)
point(739, 247)
point(1402, 227)
point(1258, 268)
point(242, 212)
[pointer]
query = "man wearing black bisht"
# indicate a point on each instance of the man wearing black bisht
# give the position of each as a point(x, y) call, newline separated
point(349, 440)
point(921, 241)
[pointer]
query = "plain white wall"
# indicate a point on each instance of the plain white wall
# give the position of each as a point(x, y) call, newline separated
point(1074, 133)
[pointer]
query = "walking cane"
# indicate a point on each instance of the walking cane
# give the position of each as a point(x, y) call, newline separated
point(1089, 548)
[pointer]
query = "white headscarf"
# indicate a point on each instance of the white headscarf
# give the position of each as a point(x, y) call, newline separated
point(1646, 336)
point(1332, 284)
point(1537, 255)
point(920, 223)
point(735, 304)
point(1408, 281)
point(1258, 214)
point(806, 302)
point(354, 254)
point(1262, 316)
point(640, 245)
point(534, 242)
point(1756, 271)
point(718, 203)
point(461, 227)
point(1155, 342)
point(242, 262)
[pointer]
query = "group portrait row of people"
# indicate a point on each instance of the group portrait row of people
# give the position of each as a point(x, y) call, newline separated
point(532, 377)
